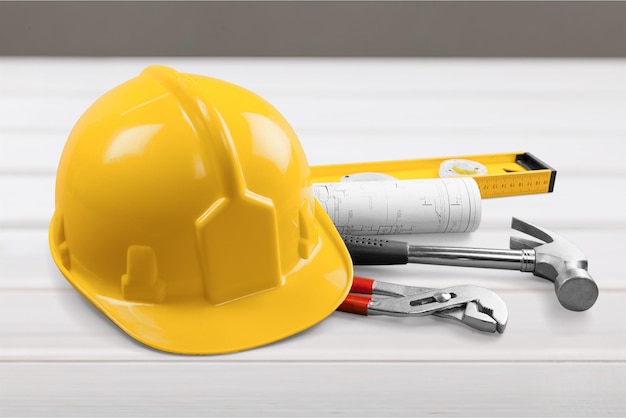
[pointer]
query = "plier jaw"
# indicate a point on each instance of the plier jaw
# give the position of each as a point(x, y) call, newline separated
point(474, 306)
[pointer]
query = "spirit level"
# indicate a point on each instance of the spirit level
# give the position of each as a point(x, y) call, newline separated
point(509, 174)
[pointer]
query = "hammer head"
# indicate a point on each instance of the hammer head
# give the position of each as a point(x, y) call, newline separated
point(560, 261)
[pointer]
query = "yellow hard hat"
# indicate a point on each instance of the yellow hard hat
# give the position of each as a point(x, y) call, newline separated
point(185, 213)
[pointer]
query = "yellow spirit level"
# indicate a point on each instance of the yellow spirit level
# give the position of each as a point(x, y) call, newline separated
point(506, 174)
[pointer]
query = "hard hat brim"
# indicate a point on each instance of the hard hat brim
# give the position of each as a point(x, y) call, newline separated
point(311, 292)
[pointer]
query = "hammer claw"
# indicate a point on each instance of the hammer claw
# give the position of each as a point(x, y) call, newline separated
point(532, 230)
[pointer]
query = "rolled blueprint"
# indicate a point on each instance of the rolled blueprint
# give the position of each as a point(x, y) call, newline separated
point(401, 206)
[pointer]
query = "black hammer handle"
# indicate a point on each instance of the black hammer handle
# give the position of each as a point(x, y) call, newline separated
point(376, 251)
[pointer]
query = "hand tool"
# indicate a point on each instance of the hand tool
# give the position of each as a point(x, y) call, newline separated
point(509, 174)
point(555, 259)
point(474, 306)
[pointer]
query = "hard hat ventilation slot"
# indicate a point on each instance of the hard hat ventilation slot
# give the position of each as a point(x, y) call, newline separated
point(61, 244)
point(141, 281)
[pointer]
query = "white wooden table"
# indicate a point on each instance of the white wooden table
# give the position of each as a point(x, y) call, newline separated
point(59, 356)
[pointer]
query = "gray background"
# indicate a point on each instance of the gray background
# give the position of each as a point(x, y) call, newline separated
point(368, 29)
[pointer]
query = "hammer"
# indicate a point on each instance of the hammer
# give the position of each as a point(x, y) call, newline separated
point(555, 259)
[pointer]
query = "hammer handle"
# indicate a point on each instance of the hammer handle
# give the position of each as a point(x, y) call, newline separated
point(377, 251)
point(523, 260)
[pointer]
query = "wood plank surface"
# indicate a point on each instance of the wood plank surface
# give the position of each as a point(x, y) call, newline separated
point(539, 329)
point(271, 389)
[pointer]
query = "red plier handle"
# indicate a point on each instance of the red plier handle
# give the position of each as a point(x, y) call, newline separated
point(358, 304)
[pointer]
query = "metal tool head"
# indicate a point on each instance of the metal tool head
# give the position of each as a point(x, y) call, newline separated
point(474, 306)
point(486, 311)
point(560, 261)
point(472, 315)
